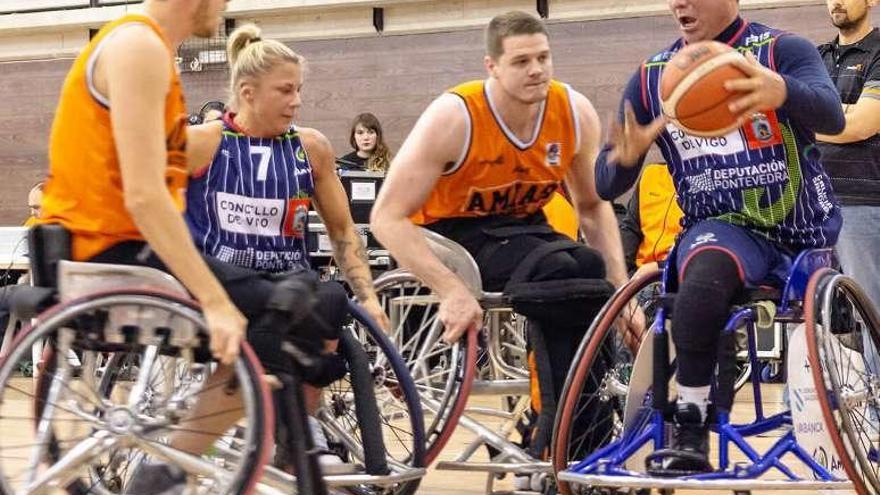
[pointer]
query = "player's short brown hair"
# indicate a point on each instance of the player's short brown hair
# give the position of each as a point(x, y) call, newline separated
point(512, 23)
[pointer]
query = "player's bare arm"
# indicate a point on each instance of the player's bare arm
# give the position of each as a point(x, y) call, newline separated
point(134, 73)
point(595, 216)
point(435, 143)
point(202, 142)
point(332, 204)
point(862, 122)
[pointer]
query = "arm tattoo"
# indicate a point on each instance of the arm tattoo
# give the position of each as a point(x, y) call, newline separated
point(352, 258)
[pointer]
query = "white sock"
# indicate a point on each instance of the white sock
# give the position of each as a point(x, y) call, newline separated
point(694, 395)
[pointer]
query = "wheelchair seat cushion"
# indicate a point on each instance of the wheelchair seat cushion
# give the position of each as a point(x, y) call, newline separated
point(762, 293)
point(567, 303)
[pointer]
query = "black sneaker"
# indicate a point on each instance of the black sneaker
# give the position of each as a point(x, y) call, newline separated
point(689, 454)
point(156, 479)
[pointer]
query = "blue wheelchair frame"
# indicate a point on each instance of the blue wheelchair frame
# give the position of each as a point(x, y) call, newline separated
point(650, 423)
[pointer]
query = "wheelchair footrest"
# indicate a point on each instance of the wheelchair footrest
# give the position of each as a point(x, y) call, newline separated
point(367, 479)
point(276, 478)
point(728, 484)
point(658, 462)
point(497, 467)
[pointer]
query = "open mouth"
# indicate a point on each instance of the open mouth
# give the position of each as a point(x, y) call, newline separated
point(687, 22)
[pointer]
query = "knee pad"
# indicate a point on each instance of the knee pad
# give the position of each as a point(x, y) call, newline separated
point(294, 293)
point(290, 308)
point(566, 300)
point(324, 369)
point(590, 263)
point(702, 305)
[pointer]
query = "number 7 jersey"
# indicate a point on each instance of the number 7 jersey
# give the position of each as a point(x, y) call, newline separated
point(250, 206)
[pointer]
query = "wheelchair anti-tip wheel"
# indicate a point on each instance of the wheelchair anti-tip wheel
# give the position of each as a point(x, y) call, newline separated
point(120, 376)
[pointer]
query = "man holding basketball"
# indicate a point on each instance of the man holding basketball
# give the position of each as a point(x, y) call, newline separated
point(752, 199)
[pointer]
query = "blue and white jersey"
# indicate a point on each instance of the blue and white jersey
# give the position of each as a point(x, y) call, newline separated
point(250, 206)
point(766, 176)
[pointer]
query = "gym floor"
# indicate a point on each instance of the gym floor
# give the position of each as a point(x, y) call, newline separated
point(442, 482)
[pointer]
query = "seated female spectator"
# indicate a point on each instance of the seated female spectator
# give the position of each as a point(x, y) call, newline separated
point(254, 177)
point(370, 151)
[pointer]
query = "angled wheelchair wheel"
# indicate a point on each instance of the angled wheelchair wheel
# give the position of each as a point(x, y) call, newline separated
point(843, 341)
point(375, 413)
point(592, 408)
point(119, 376)
point(443, 373)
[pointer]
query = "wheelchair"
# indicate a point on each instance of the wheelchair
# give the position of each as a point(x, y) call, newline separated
point(615, 409)
point(490, 365)
point(120, 360)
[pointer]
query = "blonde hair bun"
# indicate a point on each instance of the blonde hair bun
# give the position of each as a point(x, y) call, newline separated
point(240, 39)
point(250, 56)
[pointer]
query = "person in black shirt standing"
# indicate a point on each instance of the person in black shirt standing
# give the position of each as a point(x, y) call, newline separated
point(852, 157)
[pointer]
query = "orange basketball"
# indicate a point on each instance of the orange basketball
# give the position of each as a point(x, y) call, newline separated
point(692, 88)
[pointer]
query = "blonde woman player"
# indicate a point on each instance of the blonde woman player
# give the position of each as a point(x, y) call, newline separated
point(254, 177)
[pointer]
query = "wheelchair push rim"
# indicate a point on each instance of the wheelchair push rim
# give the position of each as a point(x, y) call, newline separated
point(841, 404)
point(443, 400)
point(590, 348)
point(399, 413)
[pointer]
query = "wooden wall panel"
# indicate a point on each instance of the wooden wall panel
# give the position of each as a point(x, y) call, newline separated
point(393, 76)
point(29, 93)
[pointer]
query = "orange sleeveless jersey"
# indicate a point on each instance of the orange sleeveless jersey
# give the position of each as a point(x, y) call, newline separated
point(500, 175)
point(84, 189)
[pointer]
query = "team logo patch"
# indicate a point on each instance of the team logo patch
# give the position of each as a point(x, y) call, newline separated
point(297, 217)
point(763, 131)
point(554, 150)
point(300, 154)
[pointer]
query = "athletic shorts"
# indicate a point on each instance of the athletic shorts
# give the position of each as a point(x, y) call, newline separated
point(760, 261)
